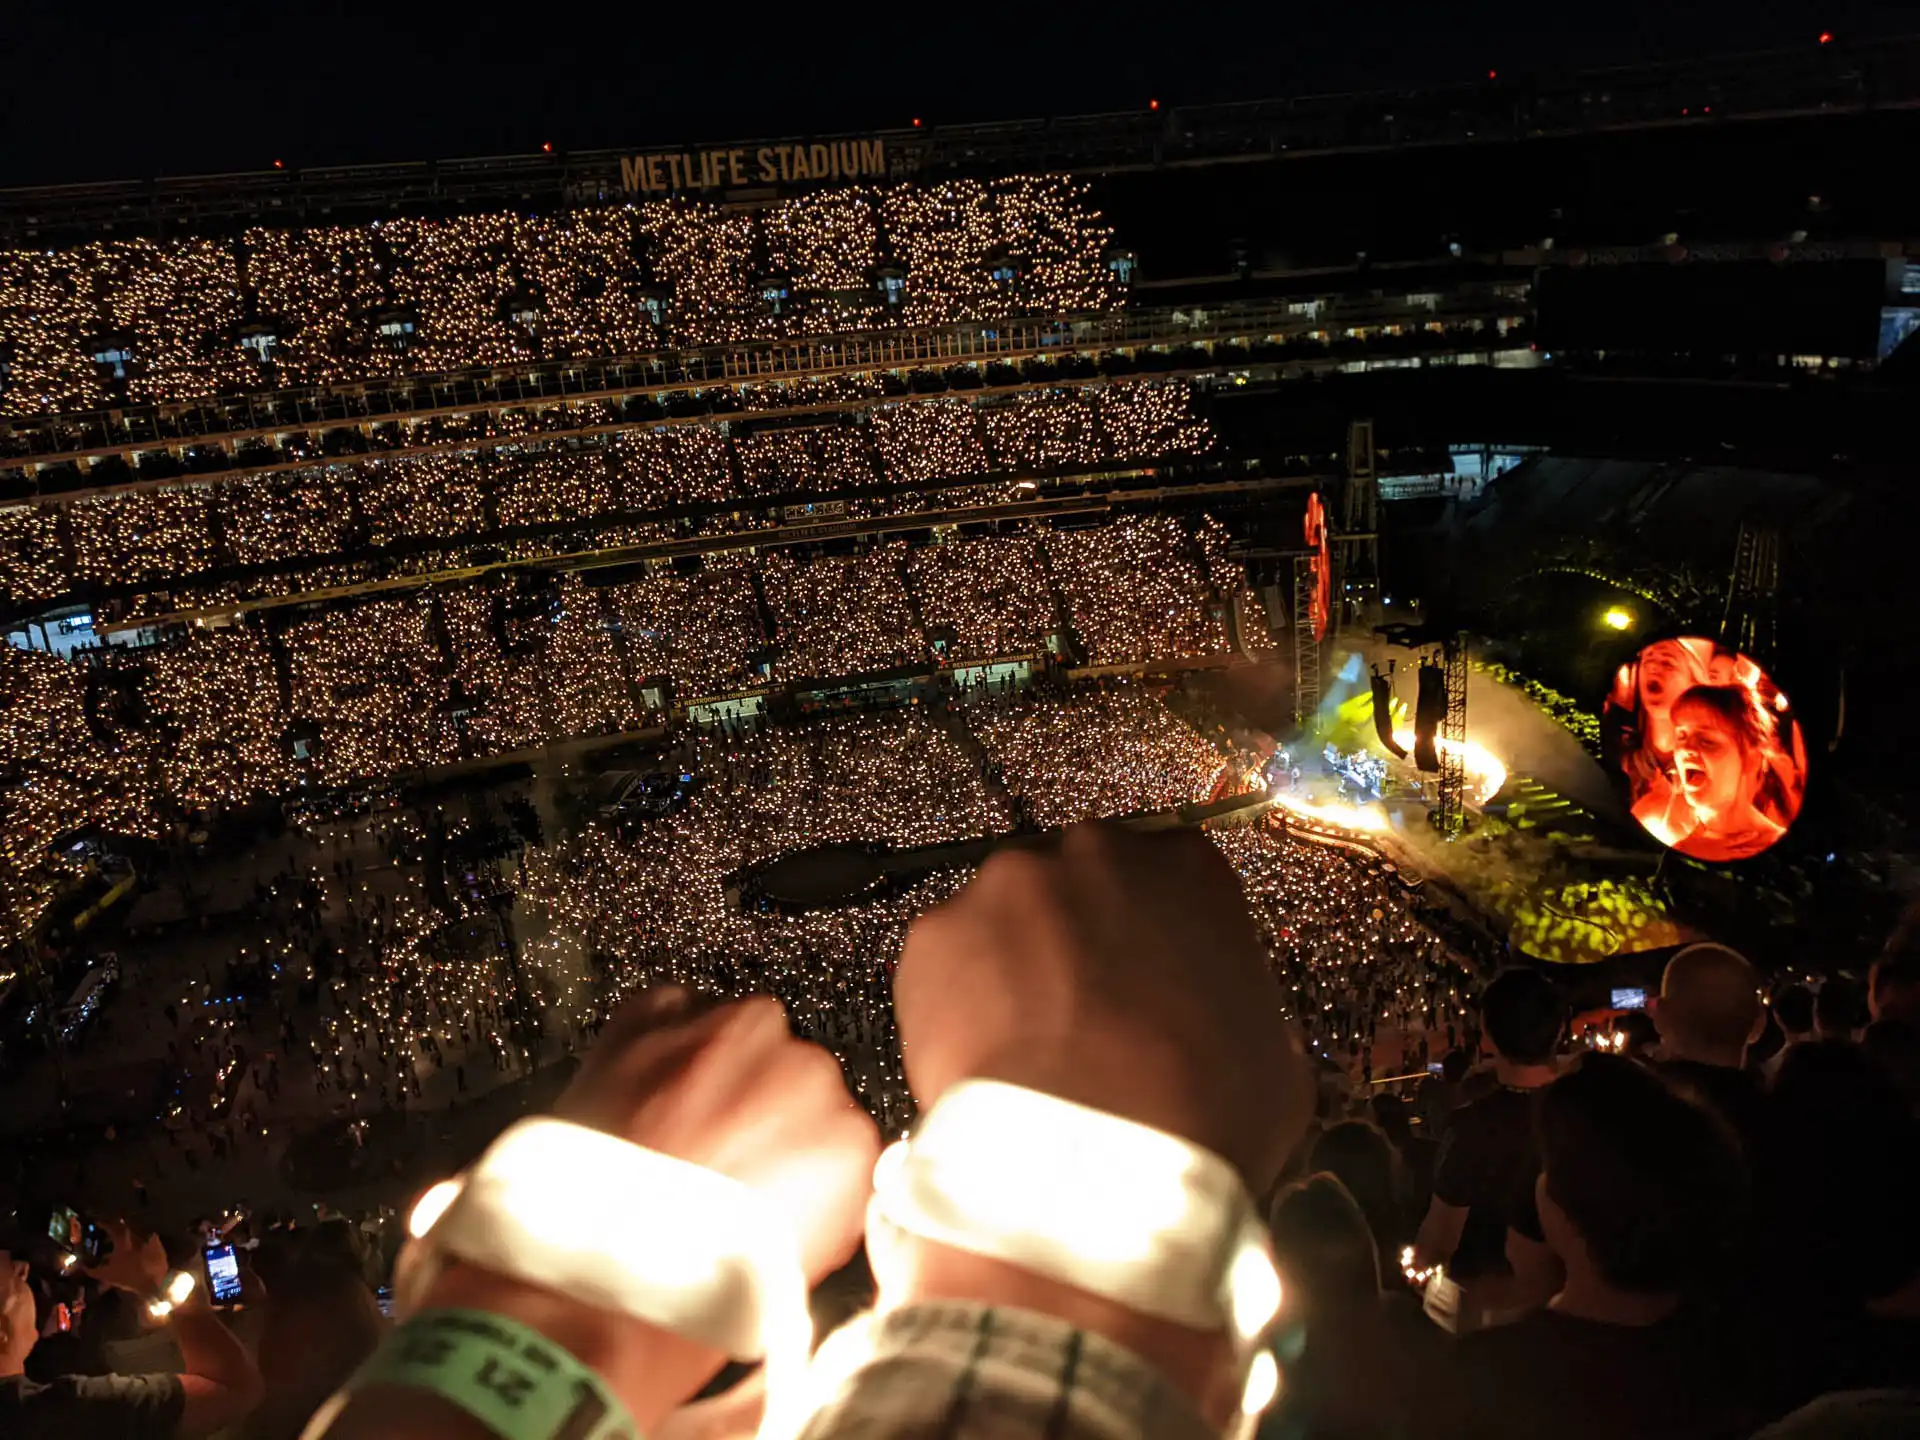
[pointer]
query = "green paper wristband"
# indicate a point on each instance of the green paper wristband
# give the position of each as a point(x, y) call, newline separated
point(510, 1378)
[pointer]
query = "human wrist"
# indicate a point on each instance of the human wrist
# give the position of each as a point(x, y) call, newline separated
point(650, 1267)
point(652, 1371)
point(1200, 1363)
point(177, 1292)
point(1011, 1196)
point(145, 1286)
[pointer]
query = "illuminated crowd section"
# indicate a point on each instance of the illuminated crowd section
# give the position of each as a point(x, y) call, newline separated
point(1060, 757)
point(993, 593)
point(134, 740)
point(256, 524)
point(1148, 619)
point(153, 320)
point(605, 911)
point(841, 616)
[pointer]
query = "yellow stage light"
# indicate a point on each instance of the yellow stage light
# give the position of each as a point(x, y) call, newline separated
point(1618, 619)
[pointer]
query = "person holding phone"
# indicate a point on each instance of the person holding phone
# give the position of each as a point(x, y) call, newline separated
point(321, 1323)
point(216, 1387)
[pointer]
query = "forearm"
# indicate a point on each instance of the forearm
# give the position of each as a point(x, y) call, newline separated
point(947, 1370)
point(1439, 1234)
point(392, 1414)
point(210, 1351)
point(650, 1370)
point(1199, 1364)
point(1169, 1379)
point(1536, 1273)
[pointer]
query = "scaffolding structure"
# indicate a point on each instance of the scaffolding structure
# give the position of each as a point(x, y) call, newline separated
point(1306, 649)
point(1750, 624)
point(1449, 813)
point(1356, 545)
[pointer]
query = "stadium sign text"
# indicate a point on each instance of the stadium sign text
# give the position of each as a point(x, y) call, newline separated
point(669, 171)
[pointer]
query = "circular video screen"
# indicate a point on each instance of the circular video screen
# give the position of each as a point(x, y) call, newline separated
point(1714, 761)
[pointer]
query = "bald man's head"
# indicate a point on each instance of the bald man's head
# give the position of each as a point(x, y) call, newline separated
point(1709, 1007)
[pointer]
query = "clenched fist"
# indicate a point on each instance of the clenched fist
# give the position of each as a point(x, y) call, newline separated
point(1120, 970)
point(731, 1089)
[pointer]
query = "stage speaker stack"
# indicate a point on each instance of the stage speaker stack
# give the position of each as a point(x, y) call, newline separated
point(1428, 715)
point(1383, 715)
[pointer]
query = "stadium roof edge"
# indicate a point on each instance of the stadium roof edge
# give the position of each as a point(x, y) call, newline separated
point(1868, 73)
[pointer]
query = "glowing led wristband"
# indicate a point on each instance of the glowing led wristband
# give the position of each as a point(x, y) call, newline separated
point(625, 1228)
point(1104, 1204)
point(172, 1295)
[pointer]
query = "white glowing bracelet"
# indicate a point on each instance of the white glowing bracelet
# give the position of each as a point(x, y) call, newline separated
point(1106, 1205)
point(624, 1228)
point(172, 1295)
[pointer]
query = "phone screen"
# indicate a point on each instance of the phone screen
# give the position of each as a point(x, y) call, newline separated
point(223, 1274)
point(66, 1229)
point(1630, 999)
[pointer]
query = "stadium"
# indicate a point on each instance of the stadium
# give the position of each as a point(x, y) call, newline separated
point(444, 599)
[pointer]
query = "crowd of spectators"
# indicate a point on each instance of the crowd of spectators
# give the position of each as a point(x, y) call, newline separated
point(1719, 1234)
point(378, 992)
point(1369, 978)
point(422, 495)
point(1095, 754)
point(146, 320)
point(1139, 590)
point(992, 592)
point(1046, 430)
point(34, 552)
point(814, 460)
point(154, 534)
point(290, 531)
point(646, 904)
point(1684, 1227)
point(1633, 1194)
point(930, 441)
point(133, 741)
point(842, 616)
point(1592, 1259)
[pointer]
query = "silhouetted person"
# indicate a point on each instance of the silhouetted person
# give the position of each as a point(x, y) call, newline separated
point(1834, 1185)
point(1362, 1159)
point(1481, 1219)
point(1353, 1354)
point(1839, 1009)
point(1637, 1184)
point(1708, 1013)
point(1793, 1013)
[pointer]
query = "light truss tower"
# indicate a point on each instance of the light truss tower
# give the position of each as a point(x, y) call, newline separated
point(1306, 649)
point(1356, 581)
point(1753, 592)
point(1449, 814)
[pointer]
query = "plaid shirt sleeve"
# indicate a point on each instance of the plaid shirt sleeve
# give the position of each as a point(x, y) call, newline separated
point(957, 1371)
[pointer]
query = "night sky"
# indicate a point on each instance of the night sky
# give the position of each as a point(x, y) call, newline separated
point(100, 89)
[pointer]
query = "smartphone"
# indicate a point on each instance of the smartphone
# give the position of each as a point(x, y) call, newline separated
point(64, 1227)
point(1436, 1068)
point(1630, 999)
point(223, 1273)
point(77, 1235)
point(383, 1297)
